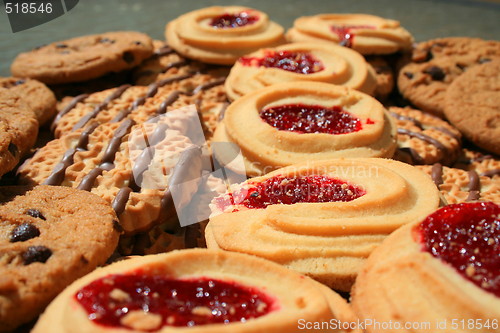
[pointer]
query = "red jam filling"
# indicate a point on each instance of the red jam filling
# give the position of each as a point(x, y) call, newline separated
point(291, 190)
point(177, 302)
point(345, 32)
point(311, 119)
point(297, 62)
point(466, 236)
point(233, 20)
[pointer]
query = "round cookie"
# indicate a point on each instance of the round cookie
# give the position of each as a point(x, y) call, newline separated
point(220, 35)
point(436, 64)
point(18, 129)
point(472, 105)
point(367, 34)
point(424, 138)
point(49, 237)
point(483, 164)
point(84, 58)
point(40, 98)
point(458, 186)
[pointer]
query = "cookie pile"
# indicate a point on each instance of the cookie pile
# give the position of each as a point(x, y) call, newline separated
point(354, 136)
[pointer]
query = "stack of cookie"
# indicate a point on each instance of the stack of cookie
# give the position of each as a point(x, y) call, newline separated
point(350, 131)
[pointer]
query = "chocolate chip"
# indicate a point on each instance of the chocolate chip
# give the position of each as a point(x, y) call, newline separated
point(483, 60)
point(117, 226)
point(19, 82)
point(137, 42)
point(462, 67)
point(128, 57)
point(408, 75)
point(35, 213)
point(36, 254)
point(23, 232)
point(61, 46)
point(13, 149)
point(106, 40)
point(435, 72)
point(84, 260)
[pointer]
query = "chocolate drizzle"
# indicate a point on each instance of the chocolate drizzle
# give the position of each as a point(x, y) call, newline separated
point(491, 173)
point(89, 180)
point(407, 118)
point(168, 101)
point(425, 138)
point(208, 85)
point(120, 201)
point(222, 111)
point(58, 174)
point(67, 109)
point(474, 186)
point(163, 51)
point(101, 106)
point(437, 174)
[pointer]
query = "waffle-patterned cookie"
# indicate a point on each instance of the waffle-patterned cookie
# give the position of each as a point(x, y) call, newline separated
point(457, 186)
point(424, 138)
point(482, 163)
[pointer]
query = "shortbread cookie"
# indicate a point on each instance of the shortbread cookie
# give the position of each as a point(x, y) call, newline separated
point(18, 129)
point(39, 98)
point(436, 64)
point(288, 123)
point(366, 34)
point(472, 104)
point(425, 139)
point(300, 62)
point(239, 293)
point(322, 218)
point(49, 237)
point(220, 35)
point(483, 164)
point(442, 271)
point(141, 103)
point(129, 165)
point(458, 185)
point(84, 58)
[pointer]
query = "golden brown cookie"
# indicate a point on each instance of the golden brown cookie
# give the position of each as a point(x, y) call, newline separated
point(482, 163)
point(424, 138)
point(436, 64)
point(384, 76)
point(196, 290)
point(83, 58)
point(39, 98)
point(472, 104)
point(438, 275)
point(18, 129)
point(366, 34)
point(300, 62)
point(321, 218)
point(220, 35)
point(288, 123)
point(457, 185)
point(49, 237)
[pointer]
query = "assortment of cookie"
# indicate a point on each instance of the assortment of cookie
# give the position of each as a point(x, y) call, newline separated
point(338, 156)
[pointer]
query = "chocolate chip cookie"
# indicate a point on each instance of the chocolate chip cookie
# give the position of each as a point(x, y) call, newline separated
point(36, 94)
point(436, 64)
point(83, 58)
point(49, 237)
point(18, 129)
point(472, 104)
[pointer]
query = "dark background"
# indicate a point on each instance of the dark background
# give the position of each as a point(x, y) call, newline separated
point(425, 19)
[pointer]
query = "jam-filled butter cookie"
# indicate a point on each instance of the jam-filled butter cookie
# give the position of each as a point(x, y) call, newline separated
point(300, 62)
point(196, 291)
point(220, 35)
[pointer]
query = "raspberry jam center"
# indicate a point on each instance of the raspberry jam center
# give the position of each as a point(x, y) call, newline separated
point(170, 302)
point(466, 236)
point(296, 62)
point(302, 118)
point(345, 32)
point(233, 20)
point(291, 190)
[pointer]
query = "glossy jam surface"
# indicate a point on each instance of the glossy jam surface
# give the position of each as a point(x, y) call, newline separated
point(233, 20)
point(303, 118)
point(296, 62)
point(346, 32)
point(291, 190)
point(466, 236)
point(172, 302)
